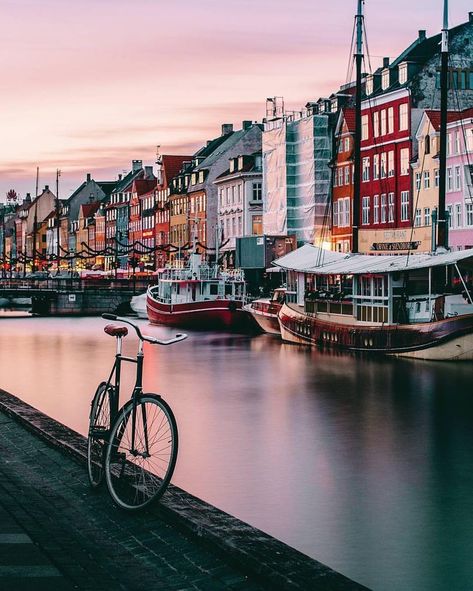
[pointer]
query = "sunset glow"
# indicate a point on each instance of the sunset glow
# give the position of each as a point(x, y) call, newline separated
point(90, 85)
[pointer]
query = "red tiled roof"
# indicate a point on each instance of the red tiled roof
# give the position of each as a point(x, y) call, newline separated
point(349, 116)
point(171, 167)
point(89, 209)
point(452, 116)
point(141, 186)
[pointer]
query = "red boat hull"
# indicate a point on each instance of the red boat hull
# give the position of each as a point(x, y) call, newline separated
point(203, 315)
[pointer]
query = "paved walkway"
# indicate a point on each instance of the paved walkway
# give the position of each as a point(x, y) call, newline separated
point(56, 534)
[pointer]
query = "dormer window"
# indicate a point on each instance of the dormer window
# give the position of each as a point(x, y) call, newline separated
point(334, 105)
point(232, 164)
point(369, 85)
point(193, 178)
point(201, 176)
point(385, 79)
point(403, 73)
point(240, 162)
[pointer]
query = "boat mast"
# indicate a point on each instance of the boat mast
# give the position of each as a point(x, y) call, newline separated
point(357, 147)
point(442, 240)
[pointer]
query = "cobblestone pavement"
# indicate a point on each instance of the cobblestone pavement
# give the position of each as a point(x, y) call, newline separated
point(56, 534)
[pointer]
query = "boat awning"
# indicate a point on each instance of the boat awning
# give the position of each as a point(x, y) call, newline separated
point(312, 259)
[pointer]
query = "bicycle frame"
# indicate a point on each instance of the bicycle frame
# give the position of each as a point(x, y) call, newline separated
point(115, 375)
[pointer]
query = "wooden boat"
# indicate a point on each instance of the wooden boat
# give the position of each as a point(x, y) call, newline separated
point(265, 311)
point(412, 306)
point(198, 296)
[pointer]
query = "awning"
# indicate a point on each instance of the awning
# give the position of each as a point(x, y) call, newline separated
point(311, 259)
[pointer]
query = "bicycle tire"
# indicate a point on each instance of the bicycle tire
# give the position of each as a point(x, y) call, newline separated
point(136, 478)
point(99, 428)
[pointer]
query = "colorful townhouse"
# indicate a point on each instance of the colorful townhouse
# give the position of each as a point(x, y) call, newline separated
point(240, 203)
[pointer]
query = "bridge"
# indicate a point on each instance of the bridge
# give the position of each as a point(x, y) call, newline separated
point(71, 296)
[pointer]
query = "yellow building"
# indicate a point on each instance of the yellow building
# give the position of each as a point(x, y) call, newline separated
point(425, 177)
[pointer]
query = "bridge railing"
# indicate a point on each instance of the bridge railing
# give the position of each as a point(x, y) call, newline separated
point(73, 284)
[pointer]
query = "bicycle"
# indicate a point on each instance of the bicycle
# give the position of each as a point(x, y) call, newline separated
point(134, 447)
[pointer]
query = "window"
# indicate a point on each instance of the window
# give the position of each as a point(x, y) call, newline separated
point(340, 177)
point(366, 169)
point(347, 175)
point(402, 73)
point(369, 85)
point(427, 179)
point(233, 194)
point(375, 167)
point(457, 142)
point(347, 144)
point(418, 218)
point(345, 221)
point(404, 161)
point(469, 134)
point(391, 207)
point(469, 214)
point(449, 180)
point(257, 191)
point(437, 177)
point(376, 209)
point(426, 216)
point(427, 144)
point(376, 124)
point(385, 79)
point(450, 215)
point(365, 210)
point(383, 122)
point(403, 117)
point(364, 127)
point(383, 165)
point(383, 208)
point(449, 144)
point(391, 163)
point(404, 206)
point(257, 225)
point(418, 181)
point(335, 213)
point(391, 120)
point(458, 180)
point(458, 215)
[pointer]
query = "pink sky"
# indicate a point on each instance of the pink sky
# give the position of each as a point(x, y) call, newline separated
point(89, 85)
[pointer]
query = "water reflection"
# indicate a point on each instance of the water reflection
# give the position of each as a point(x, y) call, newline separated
point(362, 463)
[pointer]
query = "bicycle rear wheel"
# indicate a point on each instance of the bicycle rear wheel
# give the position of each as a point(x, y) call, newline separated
point(99, 428)
point(138, 470)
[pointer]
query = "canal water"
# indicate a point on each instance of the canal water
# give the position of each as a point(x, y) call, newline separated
point(364, 464)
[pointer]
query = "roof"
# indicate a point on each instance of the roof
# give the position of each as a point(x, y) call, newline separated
point(312, 259)
point(89, 209)
point(141, 186)
point(172, 166)
point(452, 116)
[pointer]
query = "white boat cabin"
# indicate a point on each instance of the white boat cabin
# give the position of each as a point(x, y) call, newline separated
point(379, 289)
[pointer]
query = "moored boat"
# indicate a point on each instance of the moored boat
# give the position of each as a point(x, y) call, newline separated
point(198, 296)
point(412, 306)
point(265, 311)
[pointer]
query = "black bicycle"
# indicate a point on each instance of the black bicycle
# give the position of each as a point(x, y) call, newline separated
point(134, 447)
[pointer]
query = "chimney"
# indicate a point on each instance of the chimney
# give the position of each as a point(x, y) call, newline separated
point(227, 128)
point(136, 165)
point(423, 34)
point(120, 177)
point(385, 62)
point(46, 187)
point(88, 177)
point(246, 124)
point(28, 198)
point(470, 17)
point(149, 172)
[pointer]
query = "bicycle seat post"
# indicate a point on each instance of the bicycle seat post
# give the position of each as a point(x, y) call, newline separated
point(119, 345)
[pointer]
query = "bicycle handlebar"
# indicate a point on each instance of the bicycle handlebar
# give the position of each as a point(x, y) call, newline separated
point(179, 337)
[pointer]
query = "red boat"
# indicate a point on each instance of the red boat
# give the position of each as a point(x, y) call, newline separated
point(198, 296)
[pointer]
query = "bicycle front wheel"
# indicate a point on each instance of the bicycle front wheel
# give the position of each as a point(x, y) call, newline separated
point(99, 428)
point(141, 453)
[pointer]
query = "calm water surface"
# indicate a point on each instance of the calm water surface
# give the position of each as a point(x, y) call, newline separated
point(363, 464)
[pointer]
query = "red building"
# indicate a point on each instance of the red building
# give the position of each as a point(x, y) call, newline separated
point(386, 153)
point(342, 182)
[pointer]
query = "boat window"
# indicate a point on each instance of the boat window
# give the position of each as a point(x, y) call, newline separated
point(213, 289)
point(228, 289)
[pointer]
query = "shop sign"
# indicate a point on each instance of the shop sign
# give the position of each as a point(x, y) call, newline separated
point(395, 245)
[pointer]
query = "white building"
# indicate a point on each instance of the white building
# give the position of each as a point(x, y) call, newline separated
point(240, 202)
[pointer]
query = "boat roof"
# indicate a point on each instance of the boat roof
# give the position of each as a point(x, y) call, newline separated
point(312, 259)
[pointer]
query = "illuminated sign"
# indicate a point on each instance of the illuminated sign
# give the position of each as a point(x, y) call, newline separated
point(395, 245)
